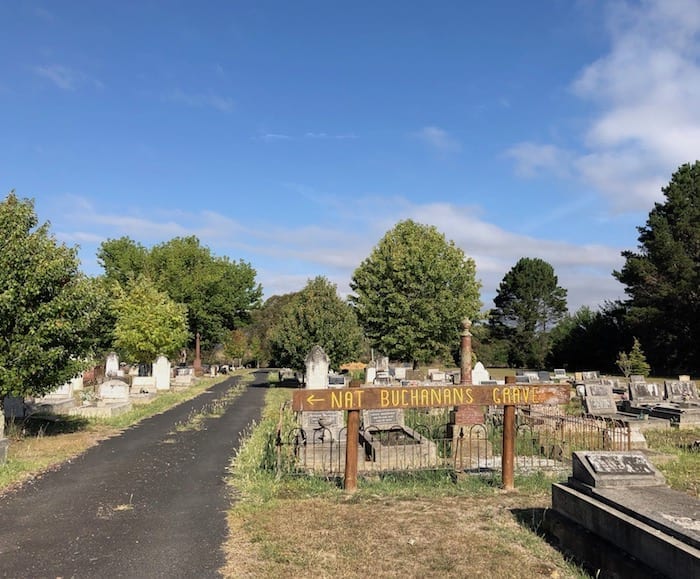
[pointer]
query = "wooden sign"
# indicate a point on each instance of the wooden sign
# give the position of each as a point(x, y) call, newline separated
point(429, 396)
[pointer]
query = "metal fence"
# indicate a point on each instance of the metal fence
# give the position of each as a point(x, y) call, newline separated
point(545, 439)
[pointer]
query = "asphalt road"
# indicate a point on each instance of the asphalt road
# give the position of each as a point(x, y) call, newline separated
point(150, 502)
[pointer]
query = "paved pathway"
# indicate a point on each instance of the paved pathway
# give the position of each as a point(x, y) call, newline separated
point(150, 502)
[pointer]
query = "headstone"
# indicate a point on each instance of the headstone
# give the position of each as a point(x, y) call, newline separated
point(322, 425)
point(603, 469)
point(590, 376)
point(637, 378)
point(14, 407)
point(560, 373)
point(161, 373)
point(543, 376)
point(370, 374)
point(681, 391)
point(336, 380)
point(383, 418)
point(645, 392)
point(599, 399)
point(436, 375)
point(400, 372)
point(61, 393)
point(112, 365)
point(317, 365)
point(114, 391)
point(480, 374)
point(383, 364)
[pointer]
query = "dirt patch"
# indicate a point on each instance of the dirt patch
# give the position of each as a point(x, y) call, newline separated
point(391, 537)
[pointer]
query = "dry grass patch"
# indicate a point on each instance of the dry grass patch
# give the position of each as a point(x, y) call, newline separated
point(453, 536)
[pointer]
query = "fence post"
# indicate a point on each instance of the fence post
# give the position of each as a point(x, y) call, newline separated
point(353, 436)
point(508, 457)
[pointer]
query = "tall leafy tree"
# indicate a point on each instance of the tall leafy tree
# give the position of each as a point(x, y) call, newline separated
point(148, 322)
point(264, 321)
point(48, 309)
point(122, 259)
point(589, 340)
point(316, 315)
point(412, 293)
point(529, 303)
point(219, 293)
point(663, 276)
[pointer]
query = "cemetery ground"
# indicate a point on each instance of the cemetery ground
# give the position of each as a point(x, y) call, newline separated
point(426, 525)
point(422, 525)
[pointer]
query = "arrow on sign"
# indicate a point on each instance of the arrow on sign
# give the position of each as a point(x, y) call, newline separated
point(312, 400)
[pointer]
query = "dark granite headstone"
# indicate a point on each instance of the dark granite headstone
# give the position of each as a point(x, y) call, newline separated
point(645, 392)
point(614, 469)
point(600, 405)
point(677, 391)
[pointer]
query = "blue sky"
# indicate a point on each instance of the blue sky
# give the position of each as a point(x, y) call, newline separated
point(294, 135)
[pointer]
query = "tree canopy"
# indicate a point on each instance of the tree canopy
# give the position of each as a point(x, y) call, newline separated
point(529, 303)
point(412, 293)
point(148, 322)
point(663, 276)
point(316, 316)
point(48, 309)
point(219, 293)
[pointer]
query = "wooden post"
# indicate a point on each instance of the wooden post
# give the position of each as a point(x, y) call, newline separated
point(353, 436)
point(508, 457)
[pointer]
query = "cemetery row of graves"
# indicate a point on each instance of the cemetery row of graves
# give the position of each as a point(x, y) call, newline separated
point(412, 435)
point(406, 434)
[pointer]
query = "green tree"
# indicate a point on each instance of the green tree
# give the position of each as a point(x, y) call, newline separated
point(148, 322)
point(588, 339)
point(412, 293)
point(236, 345)
point(219, 293)
point(529, 303)
point(264, 321)
point(634, 362)
point(662, 277)
point(122, 259)
point(48, 309)
point(316, 315)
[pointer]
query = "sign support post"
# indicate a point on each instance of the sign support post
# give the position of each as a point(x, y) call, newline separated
point(353, 436)
point(508, 456)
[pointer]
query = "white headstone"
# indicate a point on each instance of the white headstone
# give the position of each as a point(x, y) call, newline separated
point(114, 390)
point(400, 372)
point(370, 374)
point(161, 373)
point(480, 374)
point(112, 365)
point(317, 365)
point(60, 393)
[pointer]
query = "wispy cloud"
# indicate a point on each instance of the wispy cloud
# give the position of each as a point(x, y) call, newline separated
point(647, 93)
point(532, 159)
point(438, 139)
point(66, 78)
point(289, 254)
point(308, 135)
point(62, 76)
point(211, 100)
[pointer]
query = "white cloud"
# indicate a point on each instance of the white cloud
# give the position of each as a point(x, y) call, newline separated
point(211, 100)
point(532, 159)
point(62, 76)
point(287, 255)
point(66, 78)
point(647, 93)
point(438, 139)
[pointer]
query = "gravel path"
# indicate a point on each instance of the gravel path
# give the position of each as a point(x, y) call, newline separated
point(150, 502)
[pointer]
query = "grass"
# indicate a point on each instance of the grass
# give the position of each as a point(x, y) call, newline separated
point(426, 525)
point(43, 442)
point(677, 457)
